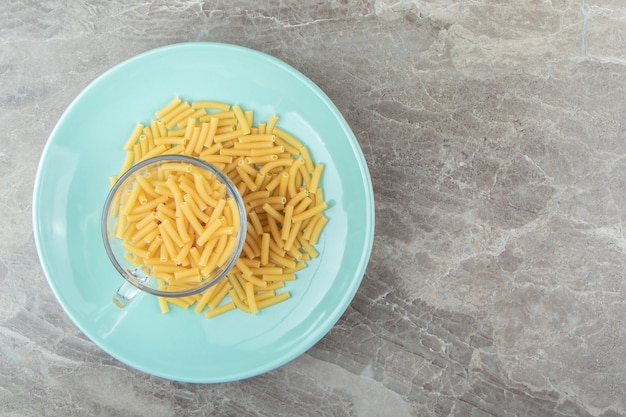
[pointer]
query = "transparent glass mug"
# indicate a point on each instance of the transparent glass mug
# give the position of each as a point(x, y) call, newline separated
point(137, 277)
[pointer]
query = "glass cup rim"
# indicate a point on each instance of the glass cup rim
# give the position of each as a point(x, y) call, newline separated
point(232, 190)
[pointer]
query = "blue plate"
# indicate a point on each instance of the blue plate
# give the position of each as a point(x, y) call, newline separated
point(72, 182)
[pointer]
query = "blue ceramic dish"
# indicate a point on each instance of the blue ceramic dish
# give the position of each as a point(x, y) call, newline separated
point(72, 182)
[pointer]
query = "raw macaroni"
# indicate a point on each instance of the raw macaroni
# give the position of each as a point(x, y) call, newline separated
point(164, 229)
point(178, 226)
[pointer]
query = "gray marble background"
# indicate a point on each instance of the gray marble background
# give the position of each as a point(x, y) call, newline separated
point(495, 133)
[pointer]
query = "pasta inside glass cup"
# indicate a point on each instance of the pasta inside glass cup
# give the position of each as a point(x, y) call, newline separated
point(172, 226)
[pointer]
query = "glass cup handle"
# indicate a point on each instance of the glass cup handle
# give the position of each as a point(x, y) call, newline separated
point(125, 294)
point(127, 291)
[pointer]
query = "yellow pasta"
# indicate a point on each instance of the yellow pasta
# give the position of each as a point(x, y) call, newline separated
point(150, 233)
point(168, 107)
point(204, 299)
point(143, 143)
point(273, 300)
point(291, 237)
point(271, 122)
point(219, 310)
point(267, 270)
point(250, 298)
point(220, 115)
point(241, 119)
point(178, 302)
point(128, 162)
point(279, 277)
point(317, 230)
point(163, 305)
point(293, 151)
point(169, 140)
point(190, 118)
point(309, 213)
point(210, 105)
point(224, 137)
point(156, 151)
point(178, 109)
point(222, 290)
point(132, 139)
point(144, 231)
point(287, 219)
point(265, 248)
point(178, 225)
point(234, 296)
point(237, 285)
point(315, 178)
point(287, 137)
point(179, 117)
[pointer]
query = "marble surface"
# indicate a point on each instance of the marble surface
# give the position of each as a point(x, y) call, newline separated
point(495, 134)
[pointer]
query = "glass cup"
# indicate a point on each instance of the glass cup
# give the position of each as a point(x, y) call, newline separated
point(137, 275)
